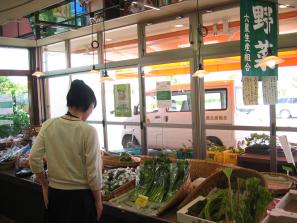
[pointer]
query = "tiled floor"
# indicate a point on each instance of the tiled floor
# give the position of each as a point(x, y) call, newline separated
point(4, 219)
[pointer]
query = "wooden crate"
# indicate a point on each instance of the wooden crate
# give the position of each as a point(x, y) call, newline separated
point(183, 217)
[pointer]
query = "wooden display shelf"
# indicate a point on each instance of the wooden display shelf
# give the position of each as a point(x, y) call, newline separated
point(21, 200)
point(261, 162)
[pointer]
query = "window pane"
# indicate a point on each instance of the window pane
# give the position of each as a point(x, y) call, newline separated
point(99, 129)
point(222, 26)
point(14, 59)
point(54, 57)
point(14, 105)
point(82, 51)
point(286, 108)
point(169, 138)
point(94, 83)
point(122, 136)
point(58, 89)
point(216, 99)
point(121, 44)
point(178, 110)
point(128, 96)
point(167, 35)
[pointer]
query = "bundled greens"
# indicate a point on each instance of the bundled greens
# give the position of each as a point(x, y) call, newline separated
point(159, 178)
point(244, 204)
point(125, 157)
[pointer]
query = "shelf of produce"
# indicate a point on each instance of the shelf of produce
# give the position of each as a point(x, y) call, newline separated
point(21, 200)
point(260, 162)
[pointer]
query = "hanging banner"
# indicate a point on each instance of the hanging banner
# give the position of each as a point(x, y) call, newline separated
point(122, 100)
point(258, 31)
point(163, 94)
point(269, 88)
point(250, 90)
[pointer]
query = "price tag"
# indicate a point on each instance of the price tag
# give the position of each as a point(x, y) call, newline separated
point(141, 201)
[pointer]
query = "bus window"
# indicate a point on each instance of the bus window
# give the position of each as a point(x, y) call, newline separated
point(180, 101)
point(216, 99)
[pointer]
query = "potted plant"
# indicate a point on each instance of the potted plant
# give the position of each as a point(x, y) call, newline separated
point(257, 143)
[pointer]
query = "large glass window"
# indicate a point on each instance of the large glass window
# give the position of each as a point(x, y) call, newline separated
point(14, 108)
point(121, 43)
point(287, 100)
point(99, 129)
point(175, 77)
point(54, 57)
point(93, 82)
point(123, 91)
point(168, 35)
point(123, 137)
point(14, 58)
point(58, 88)
point(82, 51)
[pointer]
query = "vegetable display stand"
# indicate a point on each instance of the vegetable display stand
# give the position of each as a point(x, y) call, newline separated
point(7, 165)
point(232, 195)
point(287, 206)
point(123, 202)
point(160, 185)
point(113, 161)
point(121, 190)
point(204, 168)
point(219, 180)
point(278, 183)
point(230, 157)
point(216, 156)
point(184, 217)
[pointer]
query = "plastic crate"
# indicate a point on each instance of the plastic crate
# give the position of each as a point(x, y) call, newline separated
point(230, 158)
point(216, 156)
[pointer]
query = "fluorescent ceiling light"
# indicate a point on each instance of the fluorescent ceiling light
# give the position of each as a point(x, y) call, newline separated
point(179, 25)
point(284, 6)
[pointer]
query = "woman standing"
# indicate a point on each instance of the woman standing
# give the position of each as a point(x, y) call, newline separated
point(73, 160)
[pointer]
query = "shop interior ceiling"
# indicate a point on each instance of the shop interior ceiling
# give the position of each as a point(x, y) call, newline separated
point(14, 9)
point(18, 8)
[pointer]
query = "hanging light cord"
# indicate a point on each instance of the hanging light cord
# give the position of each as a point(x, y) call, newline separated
point(93, 41)
point(104, 46)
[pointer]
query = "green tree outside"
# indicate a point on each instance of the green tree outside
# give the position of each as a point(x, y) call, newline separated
point(20, 116)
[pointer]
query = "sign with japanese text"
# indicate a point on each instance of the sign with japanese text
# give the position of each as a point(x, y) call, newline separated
point(163, 94)
point(122, 100)
point(258, 32)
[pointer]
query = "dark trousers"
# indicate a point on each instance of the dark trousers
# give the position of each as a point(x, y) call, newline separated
point(71, 206)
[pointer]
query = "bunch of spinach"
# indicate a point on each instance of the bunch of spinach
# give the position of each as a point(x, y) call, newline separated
point(159, 178)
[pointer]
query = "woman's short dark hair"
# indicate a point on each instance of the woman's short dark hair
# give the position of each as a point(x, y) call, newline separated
point(80, 96)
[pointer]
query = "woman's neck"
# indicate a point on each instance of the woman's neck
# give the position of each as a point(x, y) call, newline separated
point(74, 112)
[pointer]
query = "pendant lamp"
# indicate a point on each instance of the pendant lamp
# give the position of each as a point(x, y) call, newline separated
point(94, 45)
point(200, 72)
point(38, 72)
point(104, 74)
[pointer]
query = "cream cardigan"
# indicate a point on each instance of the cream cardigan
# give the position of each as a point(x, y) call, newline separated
point(72, 150)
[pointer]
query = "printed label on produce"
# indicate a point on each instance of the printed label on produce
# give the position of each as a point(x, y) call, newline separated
point(141, 201)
